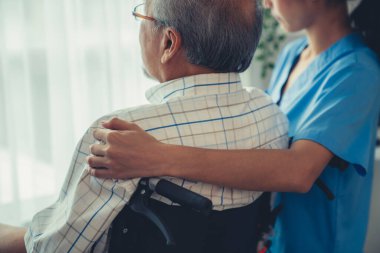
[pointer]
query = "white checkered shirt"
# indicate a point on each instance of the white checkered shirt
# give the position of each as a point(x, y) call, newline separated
point(210, 111)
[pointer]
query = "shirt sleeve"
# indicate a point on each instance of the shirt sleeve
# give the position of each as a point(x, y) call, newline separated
point(86, 207)
point(343, 115)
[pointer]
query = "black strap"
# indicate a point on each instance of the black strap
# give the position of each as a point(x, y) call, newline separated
point(325, 189)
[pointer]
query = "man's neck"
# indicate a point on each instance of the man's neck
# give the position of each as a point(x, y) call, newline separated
point(176, 71)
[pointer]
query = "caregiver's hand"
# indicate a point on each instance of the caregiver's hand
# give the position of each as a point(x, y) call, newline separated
point(127, 152)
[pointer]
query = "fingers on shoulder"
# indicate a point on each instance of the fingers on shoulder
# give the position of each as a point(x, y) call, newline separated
point(116, 123)
point(100, 173)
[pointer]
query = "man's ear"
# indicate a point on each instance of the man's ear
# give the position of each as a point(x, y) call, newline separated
point(171, 44)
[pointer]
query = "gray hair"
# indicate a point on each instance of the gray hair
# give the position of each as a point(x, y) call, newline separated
point(218, 34)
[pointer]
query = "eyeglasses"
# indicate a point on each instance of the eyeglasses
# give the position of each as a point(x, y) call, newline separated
point(139, 12)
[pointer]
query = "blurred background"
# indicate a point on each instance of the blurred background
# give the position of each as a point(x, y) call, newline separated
point(65, 63)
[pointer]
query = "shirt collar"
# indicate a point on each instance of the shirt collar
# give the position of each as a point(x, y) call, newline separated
point(343, 46)
point(197, 85)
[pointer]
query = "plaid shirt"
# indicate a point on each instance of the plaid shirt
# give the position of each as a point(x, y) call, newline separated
point(210, 111)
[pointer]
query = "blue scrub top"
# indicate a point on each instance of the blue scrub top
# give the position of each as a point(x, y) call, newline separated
point(334, 102)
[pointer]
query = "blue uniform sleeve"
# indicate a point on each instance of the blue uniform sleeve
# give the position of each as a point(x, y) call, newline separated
point(343, 116)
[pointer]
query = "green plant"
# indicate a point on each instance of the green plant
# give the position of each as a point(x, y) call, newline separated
point(269, 45)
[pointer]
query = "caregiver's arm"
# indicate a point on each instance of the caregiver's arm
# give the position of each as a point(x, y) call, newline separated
point(133, 153)
point(12, 239)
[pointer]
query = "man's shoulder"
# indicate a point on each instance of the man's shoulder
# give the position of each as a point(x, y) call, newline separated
point(197, 108)
point(261, 96)
point(133, 114)
point(254, 91)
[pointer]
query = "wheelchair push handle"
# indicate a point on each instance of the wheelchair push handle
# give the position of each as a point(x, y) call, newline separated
point(182, 196)
point(139, 202)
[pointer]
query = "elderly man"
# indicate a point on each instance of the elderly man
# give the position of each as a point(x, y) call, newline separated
point(195, 49)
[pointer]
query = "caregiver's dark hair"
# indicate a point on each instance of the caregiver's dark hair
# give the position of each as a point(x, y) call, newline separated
point(366, 20)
